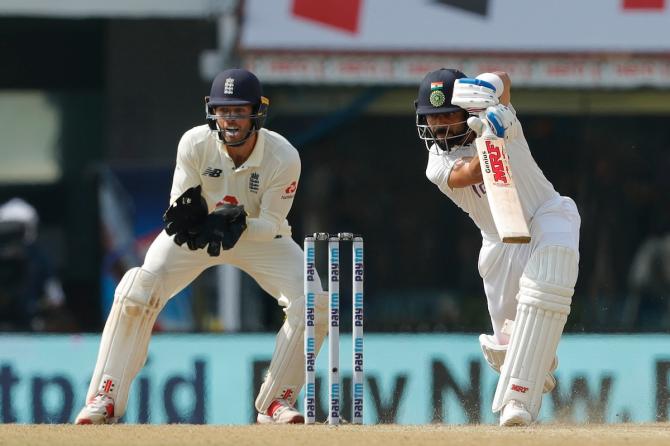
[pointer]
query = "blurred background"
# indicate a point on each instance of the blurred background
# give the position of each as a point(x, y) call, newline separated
point(95, 95)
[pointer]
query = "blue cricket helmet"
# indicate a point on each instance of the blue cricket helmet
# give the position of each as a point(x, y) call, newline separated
point(435, 92)
point(237, 86)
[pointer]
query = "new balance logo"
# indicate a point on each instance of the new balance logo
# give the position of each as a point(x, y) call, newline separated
point(212, 172)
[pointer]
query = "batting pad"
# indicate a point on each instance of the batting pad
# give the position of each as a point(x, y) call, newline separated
point(494, 354)
point(545, 295)
point(125, 339)
point(286, 374)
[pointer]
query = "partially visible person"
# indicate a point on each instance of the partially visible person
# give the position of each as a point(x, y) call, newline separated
point(29, 285)
point(647, 305)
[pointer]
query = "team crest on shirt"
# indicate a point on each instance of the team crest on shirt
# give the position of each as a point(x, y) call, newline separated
point(254, 182)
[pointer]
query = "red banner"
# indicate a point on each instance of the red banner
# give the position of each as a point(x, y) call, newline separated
point(644, 4)
point(341, 14)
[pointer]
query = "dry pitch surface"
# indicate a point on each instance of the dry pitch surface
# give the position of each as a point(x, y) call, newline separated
point(382, 435)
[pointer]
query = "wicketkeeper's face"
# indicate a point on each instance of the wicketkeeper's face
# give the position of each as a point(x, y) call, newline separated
point(234, 121)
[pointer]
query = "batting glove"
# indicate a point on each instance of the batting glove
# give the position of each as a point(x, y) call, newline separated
point(503, 121)
point(474, 95)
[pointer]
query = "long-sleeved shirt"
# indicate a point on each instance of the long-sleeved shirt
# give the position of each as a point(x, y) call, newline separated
point(265, 183)
point(533, 187)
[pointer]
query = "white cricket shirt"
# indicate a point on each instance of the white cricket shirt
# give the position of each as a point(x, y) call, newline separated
point(265, 184)
point(533, 187)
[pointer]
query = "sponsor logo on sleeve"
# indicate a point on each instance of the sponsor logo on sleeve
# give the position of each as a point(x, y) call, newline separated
point(289, 192)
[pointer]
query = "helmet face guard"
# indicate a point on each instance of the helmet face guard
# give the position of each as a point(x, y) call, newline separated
point(258, 115)
point(236, 87)
point(435, 92)
point(445, 143)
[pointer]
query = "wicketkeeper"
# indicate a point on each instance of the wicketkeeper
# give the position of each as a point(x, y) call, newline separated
point(233, 186)
point(529, 287)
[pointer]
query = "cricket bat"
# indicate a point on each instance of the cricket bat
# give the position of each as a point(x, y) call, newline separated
point(500, 189)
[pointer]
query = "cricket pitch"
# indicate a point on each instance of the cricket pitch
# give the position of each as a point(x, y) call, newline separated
point(346, 435)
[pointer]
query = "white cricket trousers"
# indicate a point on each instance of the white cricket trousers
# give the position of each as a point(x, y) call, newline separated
point(276, 265)
point(556, 223)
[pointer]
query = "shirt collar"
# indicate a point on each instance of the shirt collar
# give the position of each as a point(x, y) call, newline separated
point(256, 156)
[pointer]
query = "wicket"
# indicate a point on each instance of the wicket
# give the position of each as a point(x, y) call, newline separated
point(311, 288)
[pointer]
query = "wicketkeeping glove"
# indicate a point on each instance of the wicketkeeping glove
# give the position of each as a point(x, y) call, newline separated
point(184, 215)
point(221, 229)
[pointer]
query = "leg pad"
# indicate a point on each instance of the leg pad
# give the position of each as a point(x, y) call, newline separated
point(123, 348)
point(545, 295)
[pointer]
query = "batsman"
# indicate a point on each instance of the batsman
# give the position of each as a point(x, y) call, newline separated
point(234, 184)
point(528, 286)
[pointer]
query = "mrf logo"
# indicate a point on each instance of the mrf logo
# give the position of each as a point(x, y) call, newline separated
point(496, 163)
point(518, 388)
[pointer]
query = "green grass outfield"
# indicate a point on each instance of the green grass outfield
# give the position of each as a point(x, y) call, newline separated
point(321, 435)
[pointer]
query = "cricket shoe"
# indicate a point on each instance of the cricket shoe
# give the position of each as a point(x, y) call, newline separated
point(99, 410)
point(280, 412)
point(515, 414)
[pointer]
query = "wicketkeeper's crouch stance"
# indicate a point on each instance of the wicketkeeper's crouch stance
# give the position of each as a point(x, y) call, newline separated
point(233, 187)
point(531, 284)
